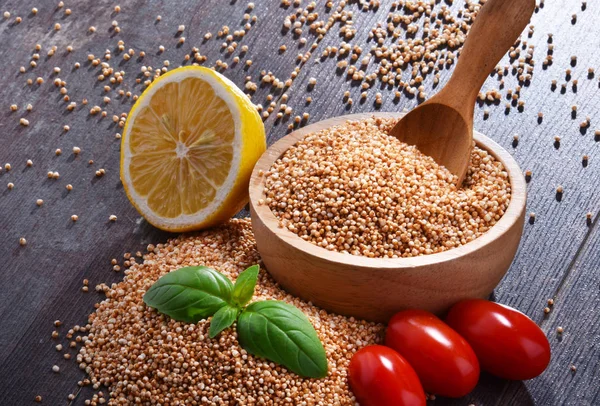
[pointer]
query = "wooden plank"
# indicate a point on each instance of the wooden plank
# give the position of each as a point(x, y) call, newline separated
point(41, 282)
point(560, 227)
point(575, 310)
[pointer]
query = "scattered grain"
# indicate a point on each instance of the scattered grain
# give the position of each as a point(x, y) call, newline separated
point(114, 336)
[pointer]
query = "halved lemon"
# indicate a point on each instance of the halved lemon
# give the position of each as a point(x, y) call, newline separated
point(188, 149)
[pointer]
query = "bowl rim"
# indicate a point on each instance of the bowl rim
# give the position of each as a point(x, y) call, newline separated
point(513, 213)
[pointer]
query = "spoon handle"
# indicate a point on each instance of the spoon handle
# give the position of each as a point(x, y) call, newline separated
point(495, 29)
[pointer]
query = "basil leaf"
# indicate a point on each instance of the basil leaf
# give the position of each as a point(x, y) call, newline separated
point(243, 290)
point(223, 318)
point(282, 333)
point(190, 294)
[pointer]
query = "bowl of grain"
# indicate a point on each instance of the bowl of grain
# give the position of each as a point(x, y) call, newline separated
point(356, 222)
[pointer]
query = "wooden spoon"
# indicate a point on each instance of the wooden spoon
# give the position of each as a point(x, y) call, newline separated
point(442, 127)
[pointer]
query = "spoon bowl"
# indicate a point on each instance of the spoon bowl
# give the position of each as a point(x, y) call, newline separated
point(420, 127)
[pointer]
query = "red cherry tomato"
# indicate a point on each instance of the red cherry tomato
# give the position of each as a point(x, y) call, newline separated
point(443, 360)
point(508, 344)
point(379, 376)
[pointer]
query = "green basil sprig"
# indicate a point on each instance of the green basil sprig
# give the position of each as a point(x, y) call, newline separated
point(278, 331)
point(243, 290)
point(223, 318)
point(190, 294)
point(270, 329)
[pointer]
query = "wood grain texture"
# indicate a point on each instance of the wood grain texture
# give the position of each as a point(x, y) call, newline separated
point(41, 282)
point(553, 240)
point(376, 288)
point(575, 309)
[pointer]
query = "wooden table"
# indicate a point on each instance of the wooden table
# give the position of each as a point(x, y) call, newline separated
point(559, 255)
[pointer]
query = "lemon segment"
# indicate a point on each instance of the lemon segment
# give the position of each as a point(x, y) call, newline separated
point(188, 149)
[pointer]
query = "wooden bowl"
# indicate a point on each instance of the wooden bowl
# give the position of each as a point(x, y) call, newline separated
point(376, 288)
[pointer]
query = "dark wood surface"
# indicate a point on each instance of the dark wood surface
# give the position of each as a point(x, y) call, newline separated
point(558, 258)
